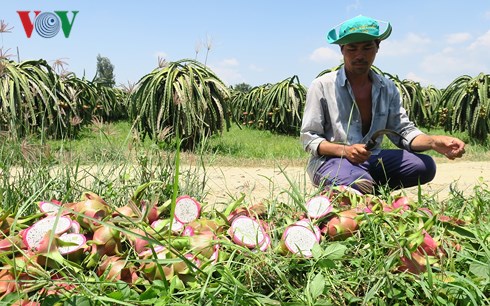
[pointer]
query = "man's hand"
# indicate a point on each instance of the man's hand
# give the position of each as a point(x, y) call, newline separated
point(356, 153)
point(448, 146)
point(451, 147)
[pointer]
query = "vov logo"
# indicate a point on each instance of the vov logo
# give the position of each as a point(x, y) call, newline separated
point(47, 24)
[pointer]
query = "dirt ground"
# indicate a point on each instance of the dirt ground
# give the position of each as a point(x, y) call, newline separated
point(226, 183)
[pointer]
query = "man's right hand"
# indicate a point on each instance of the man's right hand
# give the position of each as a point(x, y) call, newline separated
point(356, 153)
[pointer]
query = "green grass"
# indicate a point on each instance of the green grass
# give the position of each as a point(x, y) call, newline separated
point(248, 145)
point(240, 146)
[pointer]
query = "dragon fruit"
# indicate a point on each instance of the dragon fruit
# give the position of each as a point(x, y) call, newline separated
point(309, 225)
point(318, 207)
point(139, 244)
point(93, 207)
point(299, 240)
point(183, 267)
point(176, 227)
point(416, 263)
point(8, 282)
point(127, 211)
point(107, 240)
point(76, 240)
point(187, 209)
point(33, 235)
point(342, 226)
point(188, 231)
point(247, 232)
point(11, 243)
point(75, 227)
point(116, 268)
point(348, 196)
point(265, 245)
point(49, 208)
point(151, 268)
point(400, 204)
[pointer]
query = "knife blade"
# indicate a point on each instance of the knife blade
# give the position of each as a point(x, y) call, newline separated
point(372, 142)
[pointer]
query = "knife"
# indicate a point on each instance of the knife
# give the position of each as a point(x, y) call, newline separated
point(372, 142)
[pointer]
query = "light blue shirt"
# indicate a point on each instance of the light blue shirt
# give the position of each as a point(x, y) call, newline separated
point(332, 115)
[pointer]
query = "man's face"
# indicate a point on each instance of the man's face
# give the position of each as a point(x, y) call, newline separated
point(358, 57)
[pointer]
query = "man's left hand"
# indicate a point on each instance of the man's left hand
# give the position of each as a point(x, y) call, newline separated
point(450, 147)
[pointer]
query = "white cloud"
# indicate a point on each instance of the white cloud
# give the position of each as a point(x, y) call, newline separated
point(481, 42)
point(229, 62)
point(412, 43)
point(227, 70)
point(415, 77)
point(448, 50)
point(443, 67)
point(457, 38)
point(325, 55)
point(256, 68)
point(228, 75)
point(354, 6)
point(441, 63)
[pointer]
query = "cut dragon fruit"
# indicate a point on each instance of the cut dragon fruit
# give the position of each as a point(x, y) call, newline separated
point(188, 231)
point(187, 209)
point(318, 207)
point(215, 256)
point(147, 253)
point(49, 208)
point(247, 232)
point(78, 241)
point(299, 240)
point(75, 227)
point(33, 235)
point(266, 243)
point(176, 227)
point(312, 227)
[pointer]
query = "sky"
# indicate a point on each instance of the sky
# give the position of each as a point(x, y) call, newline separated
point(253, 42)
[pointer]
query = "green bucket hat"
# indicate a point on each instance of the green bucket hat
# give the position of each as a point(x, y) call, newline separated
point(357, 29)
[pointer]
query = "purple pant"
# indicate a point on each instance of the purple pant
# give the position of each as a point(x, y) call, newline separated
point(393, 168)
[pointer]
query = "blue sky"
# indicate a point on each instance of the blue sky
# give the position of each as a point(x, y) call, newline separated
point(256, 42)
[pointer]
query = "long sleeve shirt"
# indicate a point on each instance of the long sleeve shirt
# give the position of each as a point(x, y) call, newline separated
point(331, 114)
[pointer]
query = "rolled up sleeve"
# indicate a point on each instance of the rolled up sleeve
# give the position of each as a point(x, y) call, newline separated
point(312, 128)
point(400, 122)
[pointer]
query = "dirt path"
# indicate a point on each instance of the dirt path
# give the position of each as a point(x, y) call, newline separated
point(260, 183)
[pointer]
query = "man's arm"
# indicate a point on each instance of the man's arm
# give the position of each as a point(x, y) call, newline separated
point(355, 153)
point(448, 146)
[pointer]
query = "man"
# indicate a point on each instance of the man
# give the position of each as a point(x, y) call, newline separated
point(345, 108)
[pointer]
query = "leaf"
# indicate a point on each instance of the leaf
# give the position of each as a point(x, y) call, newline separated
point(317, 286)
point(326, 263)
point(138, 193)
point(335, 251)
point(480, 270)
point(78, 301)
point(232, 206)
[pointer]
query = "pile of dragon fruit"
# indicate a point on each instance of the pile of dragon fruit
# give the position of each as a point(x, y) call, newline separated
point(141, 242)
